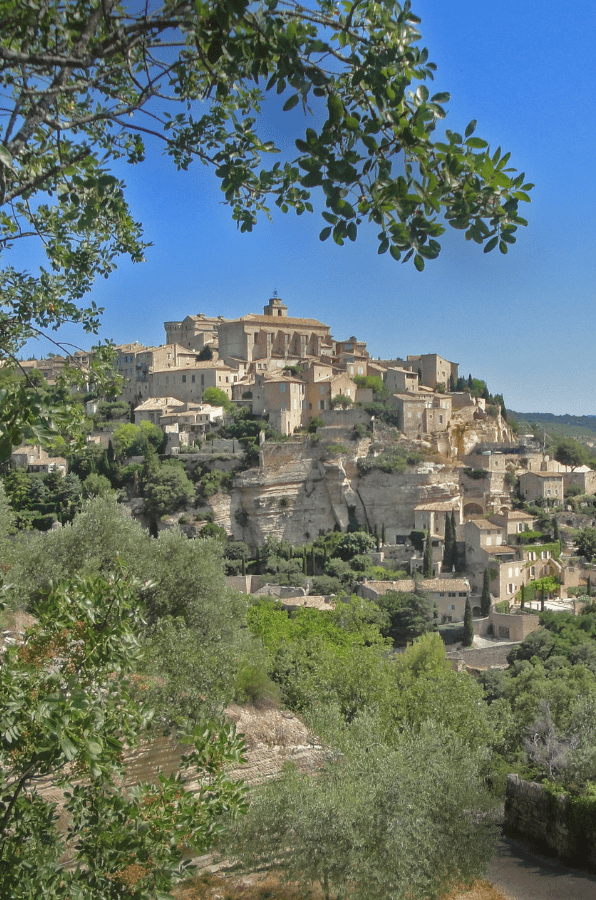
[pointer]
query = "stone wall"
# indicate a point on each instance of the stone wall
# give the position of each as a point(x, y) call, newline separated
point(544, 820)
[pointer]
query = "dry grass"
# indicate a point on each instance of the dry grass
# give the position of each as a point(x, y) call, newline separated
point(267, 886)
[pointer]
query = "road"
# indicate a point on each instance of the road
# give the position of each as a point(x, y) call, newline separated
point(523, 875)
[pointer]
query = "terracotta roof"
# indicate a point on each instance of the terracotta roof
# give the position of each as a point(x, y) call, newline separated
point(483, 525)
point(158, 403)
point(443, 505)
point(427, 584)
point(288, 321)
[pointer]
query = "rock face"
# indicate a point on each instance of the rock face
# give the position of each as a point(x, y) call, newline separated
point(299, 492)
point(304, 488)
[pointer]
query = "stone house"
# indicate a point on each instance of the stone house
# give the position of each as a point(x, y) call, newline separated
point(514, 521)
point(282, 398)
point(431, 516)
point(321, 386)
point(188, 383)
point(583, 477)
point(194, 332)
point(449, 595)
point(351, 356)
point(542, 486)
point(35, 459)
point(401, 381)
point(152, 409)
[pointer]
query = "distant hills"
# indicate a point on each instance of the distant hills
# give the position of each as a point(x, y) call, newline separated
point(582, 428)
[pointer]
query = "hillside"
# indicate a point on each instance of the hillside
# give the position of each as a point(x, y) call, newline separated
point(582, 428)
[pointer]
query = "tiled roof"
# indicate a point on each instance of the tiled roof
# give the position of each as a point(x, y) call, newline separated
point(288, 321)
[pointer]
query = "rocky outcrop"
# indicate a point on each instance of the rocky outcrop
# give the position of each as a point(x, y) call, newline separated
point(301, 490)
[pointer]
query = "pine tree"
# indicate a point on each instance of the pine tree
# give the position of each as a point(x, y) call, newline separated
point(427, 565)
point(485, 601)
point(468, 626)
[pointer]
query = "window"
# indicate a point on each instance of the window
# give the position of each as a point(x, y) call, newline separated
point(282, 388)
point(462, 594)
point(322, 404)
point(193, 379)
point(451, 606)
point(184, 379)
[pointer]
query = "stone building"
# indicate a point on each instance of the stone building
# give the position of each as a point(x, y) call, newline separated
point(542, 486)
point(274, 334)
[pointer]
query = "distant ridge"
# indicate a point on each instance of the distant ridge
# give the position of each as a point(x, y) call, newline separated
point(572, 426)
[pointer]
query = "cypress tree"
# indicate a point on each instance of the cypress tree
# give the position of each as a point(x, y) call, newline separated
point(304, 563)
point(312, 560)
point(243, 565)
point(485, 603)
point(556, 530)
point(258, 561)
point(454, 539)
point(522, 597)
point(447, 551)
point(468, 626)
point(427, 565)
point(589, 587)
point(383, 532)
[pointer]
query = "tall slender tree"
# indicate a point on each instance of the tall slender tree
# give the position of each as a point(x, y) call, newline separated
point(468, 626)
point(485, 601)
point(448, 550)
point(427, 566)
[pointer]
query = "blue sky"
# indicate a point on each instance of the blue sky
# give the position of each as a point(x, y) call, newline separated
point(525, 322)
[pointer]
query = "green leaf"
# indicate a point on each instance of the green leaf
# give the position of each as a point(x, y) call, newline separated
point(443, 97)
point(335, 108)
point(471, 128)
point(291, 102)
point(324, 234)
point(419, 262)
point(476, 143)
point(490, 245)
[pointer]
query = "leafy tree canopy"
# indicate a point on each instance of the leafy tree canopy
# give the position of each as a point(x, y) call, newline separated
point(571, 453)
point(85, 82)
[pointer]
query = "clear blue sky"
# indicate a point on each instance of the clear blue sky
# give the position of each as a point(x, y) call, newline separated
point(525, 322)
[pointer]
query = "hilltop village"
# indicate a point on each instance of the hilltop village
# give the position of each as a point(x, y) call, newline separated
point(407, 450)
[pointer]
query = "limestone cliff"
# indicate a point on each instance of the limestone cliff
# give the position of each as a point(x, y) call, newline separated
point(303, 488)
point(298, 492)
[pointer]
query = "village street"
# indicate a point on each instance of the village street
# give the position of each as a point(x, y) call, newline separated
point(523, 875)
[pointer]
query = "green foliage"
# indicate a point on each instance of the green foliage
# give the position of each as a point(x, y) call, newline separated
point(393, 461)
point(571, 453)
point(475, 474)
point(417, 805)
point(214, 396)
point(485, 598)
point(166, 491)
point(341, 400)
point(585, 541)
point(409, 615)
point(468, 626)
point(353, 544)
point(69, 714)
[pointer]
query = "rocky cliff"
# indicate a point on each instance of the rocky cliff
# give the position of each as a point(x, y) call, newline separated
point(303, 488)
